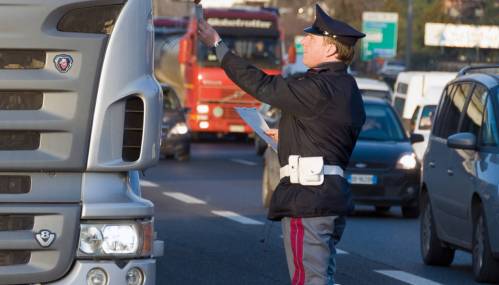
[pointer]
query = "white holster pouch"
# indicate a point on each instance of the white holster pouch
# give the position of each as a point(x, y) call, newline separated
point(308, 171)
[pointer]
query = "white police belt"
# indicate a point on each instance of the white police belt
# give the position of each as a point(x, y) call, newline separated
point(308, 171)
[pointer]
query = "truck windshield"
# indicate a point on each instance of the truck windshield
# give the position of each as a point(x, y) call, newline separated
point(262, 52)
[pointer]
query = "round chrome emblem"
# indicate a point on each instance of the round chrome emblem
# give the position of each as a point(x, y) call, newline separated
point(63, 63)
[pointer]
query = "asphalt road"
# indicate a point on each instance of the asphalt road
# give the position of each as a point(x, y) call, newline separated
point(209, 213)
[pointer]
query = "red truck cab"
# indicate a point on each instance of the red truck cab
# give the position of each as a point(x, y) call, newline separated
point(253, 34)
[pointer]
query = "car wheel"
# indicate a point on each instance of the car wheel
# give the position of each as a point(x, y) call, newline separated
point(183, 155)
point(410, 212)
point(485, 267)
point(432, 249)
point(382, 209)
point(266, 191)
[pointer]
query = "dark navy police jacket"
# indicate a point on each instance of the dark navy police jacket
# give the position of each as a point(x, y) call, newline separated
point(322, 114)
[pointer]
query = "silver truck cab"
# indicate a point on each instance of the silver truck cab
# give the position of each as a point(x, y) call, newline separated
point(80, 111)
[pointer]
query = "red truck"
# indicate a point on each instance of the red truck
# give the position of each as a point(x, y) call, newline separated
point(195, 72)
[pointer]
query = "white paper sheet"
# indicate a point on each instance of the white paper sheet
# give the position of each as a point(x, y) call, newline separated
point(255, 120)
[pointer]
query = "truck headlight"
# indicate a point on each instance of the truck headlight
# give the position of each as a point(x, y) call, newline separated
point(179, 129)
point(120, 239)
point(407, 161)
point(115, 239)
point(203, 109)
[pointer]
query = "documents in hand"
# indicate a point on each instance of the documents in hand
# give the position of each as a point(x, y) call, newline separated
point(199, 12)
point(255, 120)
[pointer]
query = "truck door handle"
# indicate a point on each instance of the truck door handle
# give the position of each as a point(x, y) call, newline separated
point(450, 172)
point(432, 164)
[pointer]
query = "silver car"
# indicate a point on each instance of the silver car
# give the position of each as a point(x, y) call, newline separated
point(460, 193)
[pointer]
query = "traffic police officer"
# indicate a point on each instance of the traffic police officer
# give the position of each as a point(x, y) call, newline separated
point(322, 115)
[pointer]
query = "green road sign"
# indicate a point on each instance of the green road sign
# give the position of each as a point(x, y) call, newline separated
point(381, 35)
point(298, 45)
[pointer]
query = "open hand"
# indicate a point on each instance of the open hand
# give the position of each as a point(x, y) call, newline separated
point(207, 34)
point(273, 134)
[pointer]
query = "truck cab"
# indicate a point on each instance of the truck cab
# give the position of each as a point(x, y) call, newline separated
point(80, 114)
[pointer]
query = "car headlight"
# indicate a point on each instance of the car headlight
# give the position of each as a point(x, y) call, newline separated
point(115, 239)
point(179, 129)
point(407, 161)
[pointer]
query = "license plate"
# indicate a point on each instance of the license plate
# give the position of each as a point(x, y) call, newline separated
point(236, 129)
point(362, 179)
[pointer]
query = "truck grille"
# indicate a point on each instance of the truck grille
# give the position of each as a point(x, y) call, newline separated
point(132, 136)
point(14, 184)
point(230, 113)
point(14, 257)
point(21, 100)
point(16, 223)
point(96, 20)
point(19, 140)
point(22, 59)
point(23, 260)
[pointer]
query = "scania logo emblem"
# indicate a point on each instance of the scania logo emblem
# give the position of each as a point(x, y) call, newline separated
point(63, 63)
point(45, 238)
point(361, 165)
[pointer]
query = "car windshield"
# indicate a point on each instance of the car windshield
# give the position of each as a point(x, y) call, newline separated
point(381, 124)
point(263, 52)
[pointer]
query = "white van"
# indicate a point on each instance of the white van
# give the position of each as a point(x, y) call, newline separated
point(411, 87)
point(422, 121)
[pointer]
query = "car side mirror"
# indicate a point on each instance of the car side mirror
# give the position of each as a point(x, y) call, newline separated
point(416, 138)
point(186, 110)
point(462, 141)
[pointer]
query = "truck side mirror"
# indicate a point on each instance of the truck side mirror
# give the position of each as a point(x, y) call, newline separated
point(292, 54)
point(184, 50)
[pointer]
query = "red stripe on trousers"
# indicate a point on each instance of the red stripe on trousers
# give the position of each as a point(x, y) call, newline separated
point(296, 232)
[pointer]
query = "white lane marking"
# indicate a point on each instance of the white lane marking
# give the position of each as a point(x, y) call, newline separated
point(245, 162)
point(407, 277)
point(145, 183)
point(339, 251)
point(236, 217)
point(184, 198)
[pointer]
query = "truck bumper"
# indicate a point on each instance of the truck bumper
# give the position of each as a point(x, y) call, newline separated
point(116, 275)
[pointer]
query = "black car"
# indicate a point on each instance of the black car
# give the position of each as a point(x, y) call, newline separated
point(383, 169)
point(175, 134)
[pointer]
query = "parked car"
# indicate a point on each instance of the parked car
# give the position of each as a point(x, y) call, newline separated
point(459, 195)
point(391, 68)
point(383, 169)
point(368, 87)
point(374, 88)
point(175, 134)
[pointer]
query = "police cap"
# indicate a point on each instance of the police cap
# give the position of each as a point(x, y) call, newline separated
point(327, 26)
